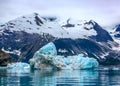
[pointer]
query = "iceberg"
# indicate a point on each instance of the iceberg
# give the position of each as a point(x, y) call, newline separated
point(18, 67)
point(47, 58)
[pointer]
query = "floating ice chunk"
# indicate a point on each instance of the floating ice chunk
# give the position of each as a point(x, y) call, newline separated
point(47, 58)
point(18, 67)
point(115, 68)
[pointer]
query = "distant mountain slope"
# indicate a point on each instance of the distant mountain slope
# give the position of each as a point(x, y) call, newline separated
point(90, 48)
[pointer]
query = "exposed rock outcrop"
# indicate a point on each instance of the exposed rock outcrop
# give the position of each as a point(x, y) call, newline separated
point(5, 58)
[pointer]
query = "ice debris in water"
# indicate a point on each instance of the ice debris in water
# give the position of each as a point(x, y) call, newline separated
point(47, 58)
point(18, 67)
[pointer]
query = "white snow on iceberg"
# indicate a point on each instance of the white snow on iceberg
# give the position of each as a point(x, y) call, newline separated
point(47, 58)
point(18, 67)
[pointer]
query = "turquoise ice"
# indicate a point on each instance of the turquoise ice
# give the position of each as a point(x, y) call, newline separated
point(18, 67)
point(47, 58)
point(48, 49)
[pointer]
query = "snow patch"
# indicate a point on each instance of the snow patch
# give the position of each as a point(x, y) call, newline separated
point(17, 52)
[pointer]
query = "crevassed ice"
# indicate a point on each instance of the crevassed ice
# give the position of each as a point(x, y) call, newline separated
point(47, 58)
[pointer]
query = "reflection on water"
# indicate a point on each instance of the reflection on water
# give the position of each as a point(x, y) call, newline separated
point(61, 78)
point(64, 77)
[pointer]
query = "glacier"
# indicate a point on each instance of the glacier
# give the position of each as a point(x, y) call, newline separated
point(47, 58)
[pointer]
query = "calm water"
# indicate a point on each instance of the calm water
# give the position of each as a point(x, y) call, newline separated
point(61, 78)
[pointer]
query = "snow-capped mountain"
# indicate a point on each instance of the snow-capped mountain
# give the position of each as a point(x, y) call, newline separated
point(117, 32)
point(114, 31)
point(86, 29)
point(34, 24)
point(23, 36)
point(69, 29)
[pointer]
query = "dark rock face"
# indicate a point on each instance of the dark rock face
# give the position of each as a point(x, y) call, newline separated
point(89, 48)
point(117, 28)
point(50, 18)
point(78, 46)
point(117, 35)
point(38, 20)
point(27, 44)
point(5, 58)
point(68, 25)
point(102, 35)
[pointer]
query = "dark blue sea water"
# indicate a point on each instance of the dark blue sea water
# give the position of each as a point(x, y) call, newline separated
point(98, 77)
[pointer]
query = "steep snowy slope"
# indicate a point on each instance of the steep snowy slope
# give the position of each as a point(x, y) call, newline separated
point(86, 29)
point(34, 24)
point(78, 29)
point(114, 31)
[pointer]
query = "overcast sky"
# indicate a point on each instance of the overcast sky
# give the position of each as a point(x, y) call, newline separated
point(105, 12)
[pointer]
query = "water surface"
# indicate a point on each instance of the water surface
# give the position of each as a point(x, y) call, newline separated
point(99, 77)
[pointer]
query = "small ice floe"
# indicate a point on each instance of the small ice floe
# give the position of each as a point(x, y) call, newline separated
point(103, 68)
point(115, 68)
point(18, 67)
